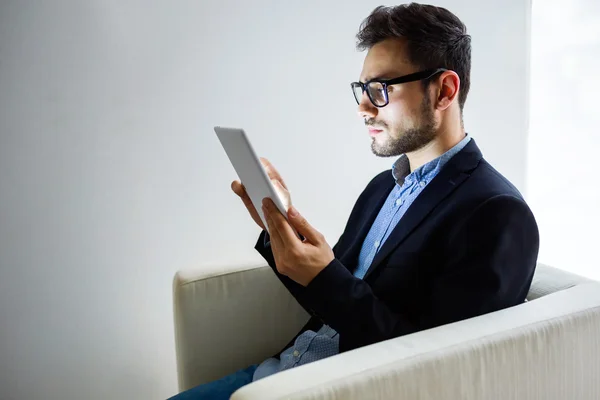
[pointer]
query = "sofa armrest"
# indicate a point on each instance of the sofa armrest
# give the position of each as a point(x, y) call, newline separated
point(227, 320)
point(549, 280)
point(548, 348)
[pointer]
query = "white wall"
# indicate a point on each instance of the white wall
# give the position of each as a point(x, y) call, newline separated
point(111, 178)
point(562, 173)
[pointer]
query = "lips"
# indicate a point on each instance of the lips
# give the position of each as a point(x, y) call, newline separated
point(374, 132)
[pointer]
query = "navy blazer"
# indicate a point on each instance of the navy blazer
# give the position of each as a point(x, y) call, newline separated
point(467, 246)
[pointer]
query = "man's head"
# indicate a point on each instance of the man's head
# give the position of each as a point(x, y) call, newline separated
point(403, 40)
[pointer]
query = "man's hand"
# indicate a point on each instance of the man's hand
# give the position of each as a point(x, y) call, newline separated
point(280, 186)
point(299, 260)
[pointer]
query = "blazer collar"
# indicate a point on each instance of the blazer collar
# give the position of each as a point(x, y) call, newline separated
point(448, 179)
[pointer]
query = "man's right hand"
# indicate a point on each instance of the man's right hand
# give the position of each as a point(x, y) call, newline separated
point(239, 189)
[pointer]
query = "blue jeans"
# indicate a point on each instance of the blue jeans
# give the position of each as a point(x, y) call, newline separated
point(221, 389)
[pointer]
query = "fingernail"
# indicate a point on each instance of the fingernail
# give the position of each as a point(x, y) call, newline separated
point(293, 211)
point(264, 202)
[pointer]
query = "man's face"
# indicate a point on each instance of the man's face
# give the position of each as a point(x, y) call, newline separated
point(407, 123)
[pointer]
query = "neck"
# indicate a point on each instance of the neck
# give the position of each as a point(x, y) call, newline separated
point(448, 136)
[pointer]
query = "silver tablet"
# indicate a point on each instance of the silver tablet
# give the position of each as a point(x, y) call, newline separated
point(249, 169)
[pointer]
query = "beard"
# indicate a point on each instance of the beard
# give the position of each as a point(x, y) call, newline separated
point(407, 140)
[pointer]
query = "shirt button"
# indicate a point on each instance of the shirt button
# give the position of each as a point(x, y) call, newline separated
point(422, 183)
point(377, 243)
point(399, 202)
point(296, 353)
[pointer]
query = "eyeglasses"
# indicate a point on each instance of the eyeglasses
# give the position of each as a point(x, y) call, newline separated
point(377, 88)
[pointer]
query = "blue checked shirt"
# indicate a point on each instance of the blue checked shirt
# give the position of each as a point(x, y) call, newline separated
point(312, 346)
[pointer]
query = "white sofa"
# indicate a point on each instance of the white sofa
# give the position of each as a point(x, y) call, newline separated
point(547, 348)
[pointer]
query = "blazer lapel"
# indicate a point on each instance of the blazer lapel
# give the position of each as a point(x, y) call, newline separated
point(448, 179)
point(350, 256)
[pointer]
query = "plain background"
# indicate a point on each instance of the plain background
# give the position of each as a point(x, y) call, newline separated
point(562, 158)
point(111, 178)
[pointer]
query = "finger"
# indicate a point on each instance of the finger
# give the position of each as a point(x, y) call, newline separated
point(240, 190)
point(284, 229)
point(245, 198)
point(271, 171)
point(237, 188)
point(276, 241)
point(303, 227)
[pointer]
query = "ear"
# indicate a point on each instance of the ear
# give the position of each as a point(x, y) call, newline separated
point(448, 91)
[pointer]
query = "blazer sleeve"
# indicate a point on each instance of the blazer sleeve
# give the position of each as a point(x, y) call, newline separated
point(263, 245)
point(488, 265)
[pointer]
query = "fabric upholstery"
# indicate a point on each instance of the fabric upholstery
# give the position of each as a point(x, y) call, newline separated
point(547, 348)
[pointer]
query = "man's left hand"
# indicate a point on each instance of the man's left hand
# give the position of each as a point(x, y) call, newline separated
point(300, 260)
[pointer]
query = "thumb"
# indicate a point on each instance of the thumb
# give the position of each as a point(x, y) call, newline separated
point(303, 227)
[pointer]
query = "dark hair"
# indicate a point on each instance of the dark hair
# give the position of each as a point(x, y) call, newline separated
point(435, 37)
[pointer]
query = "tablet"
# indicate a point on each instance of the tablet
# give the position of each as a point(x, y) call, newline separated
point(250, 170)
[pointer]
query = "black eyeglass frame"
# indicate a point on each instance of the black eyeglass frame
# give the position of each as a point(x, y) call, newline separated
point(417, 76)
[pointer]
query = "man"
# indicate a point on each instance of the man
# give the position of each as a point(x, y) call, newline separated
point(440, 237)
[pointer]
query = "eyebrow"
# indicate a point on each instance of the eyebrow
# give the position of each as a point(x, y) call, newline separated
point(385, 77)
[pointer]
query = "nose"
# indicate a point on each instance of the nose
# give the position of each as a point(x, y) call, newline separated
point(366, 109)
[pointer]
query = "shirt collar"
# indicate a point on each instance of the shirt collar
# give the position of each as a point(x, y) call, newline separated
point(401, 168)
